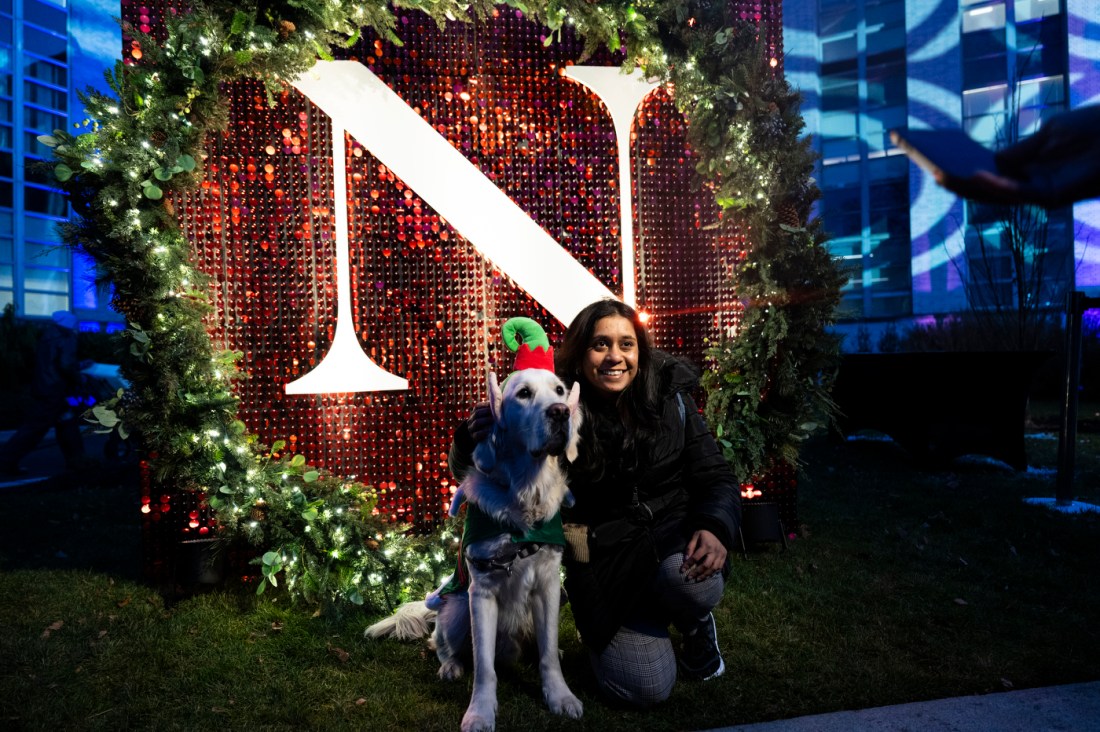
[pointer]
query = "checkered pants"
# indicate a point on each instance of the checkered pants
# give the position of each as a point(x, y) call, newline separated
point(638, 666)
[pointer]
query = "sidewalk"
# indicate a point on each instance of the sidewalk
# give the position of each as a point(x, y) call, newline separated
point(1070, 708)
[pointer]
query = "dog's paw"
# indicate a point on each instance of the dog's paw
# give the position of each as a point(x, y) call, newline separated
point(477, 721)
point(451, 670)
point(565, 704)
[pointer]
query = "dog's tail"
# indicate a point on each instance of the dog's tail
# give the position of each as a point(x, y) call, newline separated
point(410, 621)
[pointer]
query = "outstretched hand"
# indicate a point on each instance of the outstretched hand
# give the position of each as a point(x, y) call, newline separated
point(703, 556)
point(1057, 166)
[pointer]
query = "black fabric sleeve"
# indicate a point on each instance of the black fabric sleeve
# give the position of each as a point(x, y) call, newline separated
point(714, 495)
point(460, 458)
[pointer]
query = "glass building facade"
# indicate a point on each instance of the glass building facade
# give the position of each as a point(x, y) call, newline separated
point(995, 68)
point(40, 53)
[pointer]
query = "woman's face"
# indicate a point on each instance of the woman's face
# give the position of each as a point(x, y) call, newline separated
point(611, 360)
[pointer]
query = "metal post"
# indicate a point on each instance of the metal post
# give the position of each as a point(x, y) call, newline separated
point(1067, 435)
point(1076, 304)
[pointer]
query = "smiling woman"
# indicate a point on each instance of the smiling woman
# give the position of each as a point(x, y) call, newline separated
point(144, 146)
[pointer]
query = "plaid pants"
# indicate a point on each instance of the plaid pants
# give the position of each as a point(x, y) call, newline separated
point(638, 666)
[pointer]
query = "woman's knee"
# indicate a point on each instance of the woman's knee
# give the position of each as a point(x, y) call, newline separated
point(636, 669)
point(680, 595)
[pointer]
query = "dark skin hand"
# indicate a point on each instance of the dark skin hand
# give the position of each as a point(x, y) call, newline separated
point(480, 421)
point(703, 556)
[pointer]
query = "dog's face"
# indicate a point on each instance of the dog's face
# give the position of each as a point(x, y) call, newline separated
point(536, 412)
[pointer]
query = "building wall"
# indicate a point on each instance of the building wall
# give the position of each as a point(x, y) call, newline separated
point(49, 50)
point(963, 59)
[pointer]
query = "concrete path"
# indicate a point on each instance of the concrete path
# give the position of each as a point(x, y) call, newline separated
point(1070, 708)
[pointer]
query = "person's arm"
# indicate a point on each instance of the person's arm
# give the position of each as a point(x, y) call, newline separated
point(714, 513)
point(471, 431)
point(1057, 166)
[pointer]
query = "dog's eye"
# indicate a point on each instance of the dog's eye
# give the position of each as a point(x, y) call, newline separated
point(560, 391)
point(524, 393)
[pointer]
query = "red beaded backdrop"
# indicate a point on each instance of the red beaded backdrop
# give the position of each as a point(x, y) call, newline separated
point(426, 305)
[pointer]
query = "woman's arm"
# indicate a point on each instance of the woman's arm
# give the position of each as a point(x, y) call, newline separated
point(715, 496)
point(472, 430)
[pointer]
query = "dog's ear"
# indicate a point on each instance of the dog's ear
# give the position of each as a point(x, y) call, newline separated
point(576, 416)
point(496, 398)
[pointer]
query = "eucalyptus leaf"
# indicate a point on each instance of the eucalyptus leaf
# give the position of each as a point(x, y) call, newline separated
point(153, 192)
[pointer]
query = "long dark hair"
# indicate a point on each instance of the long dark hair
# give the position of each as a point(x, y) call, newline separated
point(636, 414)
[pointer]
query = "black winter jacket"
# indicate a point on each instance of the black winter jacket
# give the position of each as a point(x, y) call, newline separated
point(647, 508)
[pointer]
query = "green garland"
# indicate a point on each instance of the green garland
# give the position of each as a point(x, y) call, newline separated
point(317, 533)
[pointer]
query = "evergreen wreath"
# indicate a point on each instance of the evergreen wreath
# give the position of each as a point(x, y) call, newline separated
point(765, 385)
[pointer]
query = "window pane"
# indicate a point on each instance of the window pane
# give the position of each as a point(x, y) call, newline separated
point(46, 15)
point(46, 97)
point(5, 193)
point(46, 255)
point(37, 170)
point(40, 229)
point(6, 252)
point(984, 18)
point(40, 119)
point(840, 96)
point(838, 124)
point(842, 174)
point(36, 304)
point(45, 71)
point(984, 101)
point(7, 279)
point(45, 44)
point(838, 49)
point(42, 201)
point(987, 71)
point(1031, 9)
point(46, 280)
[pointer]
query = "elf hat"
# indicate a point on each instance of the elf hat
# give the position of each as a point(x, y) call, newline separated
point(532, 347)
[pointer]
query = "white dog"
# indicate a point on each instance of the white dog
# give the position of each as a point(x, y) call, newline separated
point(514, 591)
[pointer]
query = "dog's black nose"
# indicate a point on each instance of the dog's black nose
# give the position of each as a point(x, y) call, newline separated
point(558, 412)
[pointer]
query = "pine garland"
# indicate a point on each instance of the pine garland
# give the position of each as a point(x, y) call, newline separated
point(317, 533)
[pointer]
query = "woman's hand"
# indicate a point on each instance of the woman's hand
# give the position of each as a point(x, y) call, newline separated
point(480, 421)
point(703, 556)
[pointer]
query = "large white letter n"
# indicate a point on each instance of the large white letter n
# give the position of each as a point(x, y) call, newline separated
point(361, 103)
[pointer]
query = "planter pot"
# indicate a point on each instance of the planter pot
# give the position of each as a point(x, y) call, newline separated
point(201, 562)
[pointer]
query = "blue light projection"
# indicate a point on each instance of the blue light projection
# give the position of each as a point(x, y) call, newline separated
point(934, 81)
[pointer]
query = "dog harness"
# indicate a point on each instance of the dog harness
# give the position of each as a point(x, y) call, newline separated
point(480, 526)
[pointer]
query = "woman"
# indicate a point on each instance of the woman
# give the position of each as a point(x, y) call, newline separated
point(656, 508)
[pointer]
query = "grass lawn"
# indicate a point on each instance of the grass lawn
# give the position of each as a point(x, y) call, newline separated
point(902, 585)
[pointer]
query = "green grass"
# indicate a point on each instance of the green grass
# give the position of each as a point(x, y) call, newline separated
point(903, 585)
